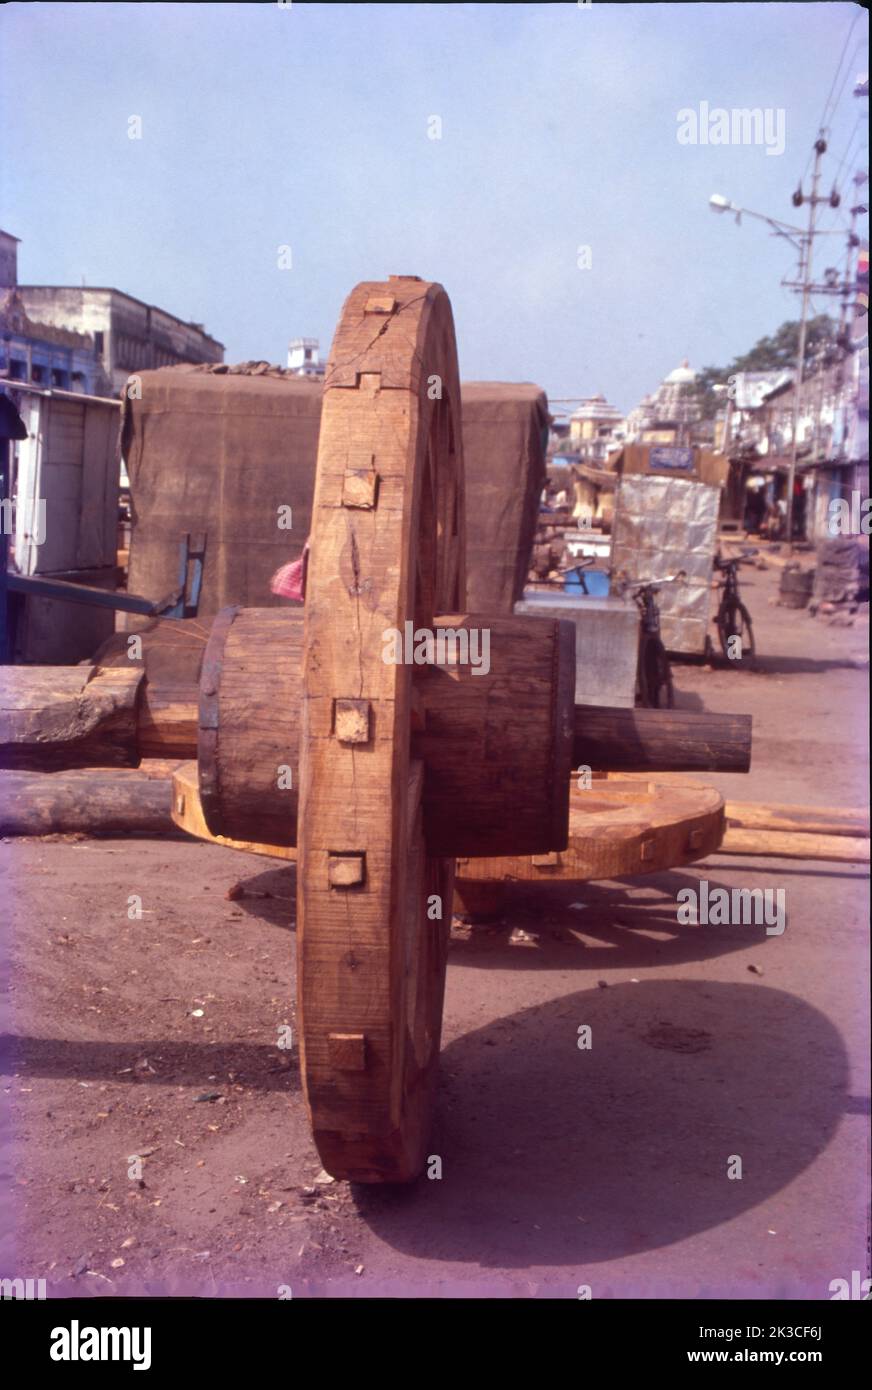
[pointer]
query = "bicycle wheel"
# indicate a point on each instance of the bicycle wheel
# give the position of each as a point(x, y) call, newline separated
point(747, 634)
point(734, 621)
point(655, 676)
point(665, 691)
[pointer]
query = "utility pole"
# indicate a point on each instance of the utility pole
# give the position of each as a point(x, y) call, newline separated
point(803, 241)
point(848, 284)
point(805, 284)
point(806, 247)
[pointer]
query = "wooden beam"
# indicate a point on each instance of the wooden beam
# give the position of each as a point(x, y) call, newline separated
point(68, 716)
point(809, 820)
point(88, 801)
point(790, 844)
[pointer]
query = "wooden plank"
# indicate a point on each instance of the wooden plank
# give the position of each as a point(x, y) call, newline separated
point(813, 820)
point(787, 844)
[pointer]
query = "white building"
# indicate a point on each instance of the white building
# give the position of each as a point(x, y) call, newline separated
point(304, 358)
point(595, 428)
point(668, 415)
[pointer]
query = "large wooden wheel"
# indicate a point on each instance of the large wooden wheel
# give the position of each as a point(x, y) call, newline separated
point(619, 827)
point(374, 909)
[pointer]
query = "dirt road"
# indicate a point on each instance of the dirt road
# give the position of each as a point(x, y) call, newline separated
point(159, 1140)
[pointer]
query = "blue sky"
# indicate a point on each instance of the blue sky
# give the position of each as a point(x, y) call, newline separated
point(308, 126)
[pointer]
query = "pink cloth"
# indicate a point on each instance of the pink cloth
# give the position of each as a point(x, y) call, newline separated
point(290, 580)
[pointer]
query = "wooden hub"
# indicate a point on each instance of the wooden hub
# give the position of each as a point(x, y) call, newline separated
point(496, 744)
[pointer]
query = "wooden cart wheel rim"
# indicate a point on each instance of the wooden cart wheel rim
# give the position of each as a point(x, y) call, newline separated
point(620, 826)
point(386, 555)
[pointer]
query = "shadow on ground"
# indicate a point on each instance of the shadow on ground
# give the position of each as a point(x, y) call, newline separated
point(616, 925)
point(261, 1068)
point(553, 1155)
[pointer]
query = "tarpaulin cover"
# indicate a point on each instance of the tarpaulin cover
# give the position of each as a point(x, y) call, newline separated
point(219, 452)
point(505, 434)
point(663, 525)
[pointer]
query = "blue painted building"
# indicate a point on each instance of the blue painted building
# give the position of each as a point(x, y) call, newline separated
point(42, 354)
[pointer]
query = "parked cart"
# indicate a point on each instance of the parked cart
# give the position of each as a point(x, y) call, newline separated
point(399, 768)
point(666, 520)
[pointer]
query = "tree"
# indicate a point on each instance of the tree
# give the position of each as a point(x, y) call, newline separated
point(775, 353)
point(709, 399)
point(779, 351)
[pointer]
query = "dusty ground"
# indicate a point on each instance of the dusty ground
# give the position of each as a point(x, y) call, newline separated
point(158, 1038)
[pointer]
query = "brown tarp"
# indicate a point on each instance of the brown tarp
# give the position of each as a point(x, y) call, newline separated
point(505, 434)
point(219, 449)
point(219, 452)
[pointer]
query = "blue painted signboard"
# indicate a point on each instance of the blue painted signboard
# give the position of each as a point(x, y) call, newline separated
point(672, 457)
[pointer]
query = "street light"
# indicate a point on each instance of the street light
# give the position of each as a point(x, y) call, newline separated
point(803, 241)
point(718, 203)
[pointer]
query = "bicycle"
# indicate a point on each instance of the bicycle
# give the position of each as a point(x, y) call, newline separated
point(560, 583)
point(733, 621)
point(654, 674)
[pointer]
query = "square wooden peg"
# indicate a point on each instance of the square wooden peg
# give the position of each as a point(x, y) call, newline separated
point(351, 720)
point(380, 304)
point(346, 870)
point(360, 486)
point(347, 1051)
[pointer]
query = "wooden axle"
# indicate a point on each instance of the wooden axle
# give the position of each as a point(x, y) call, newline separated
point(170, 651)
point(661, 740)
point(115, 711)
